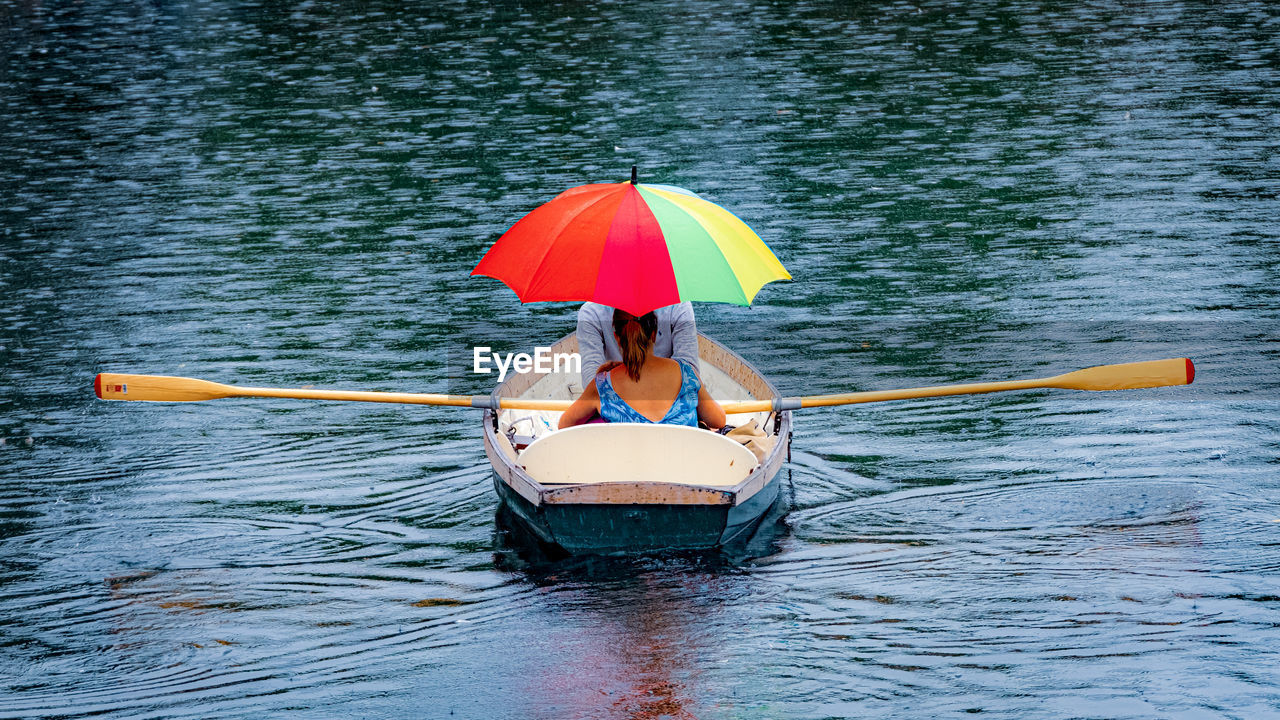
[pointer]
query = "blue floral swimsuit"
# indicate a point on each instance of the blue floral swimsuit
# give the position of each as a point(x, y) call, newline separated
point(684, 411)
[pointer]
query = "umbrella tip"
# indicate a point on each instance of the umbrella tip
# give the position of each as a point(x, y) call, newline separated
point(633, 174)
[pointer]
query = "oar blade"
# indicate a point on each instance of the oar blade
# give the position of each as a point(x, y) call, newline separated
point(157, 388)
point(1130, 376)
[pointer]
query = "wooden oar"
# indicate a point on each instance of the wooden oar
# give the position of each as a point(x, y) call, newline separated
point(1128, 376)
point(166, 388)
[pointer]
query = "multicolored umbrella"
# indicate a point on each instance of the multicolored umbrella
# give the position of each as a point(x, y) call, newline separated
point(632, 246)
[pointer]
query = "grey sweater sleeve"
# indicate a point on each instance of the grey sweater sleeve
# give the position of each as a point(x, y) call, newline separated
point(684, 334)
point(590, 344)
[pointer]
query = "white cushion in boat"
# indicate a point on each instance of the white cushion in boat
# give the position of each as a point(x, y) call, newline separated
point(637, 452)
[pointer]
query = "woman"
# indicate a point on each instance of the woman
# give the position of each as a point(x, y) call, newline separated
point(644, 387)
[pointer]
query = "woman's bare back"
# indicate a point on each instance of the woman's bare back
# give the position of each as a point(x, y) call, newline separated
point(655, 392)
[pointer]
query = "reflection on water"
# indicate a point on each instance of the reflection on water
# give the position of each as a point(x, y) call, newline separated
point(646, 614)
point(289, 194)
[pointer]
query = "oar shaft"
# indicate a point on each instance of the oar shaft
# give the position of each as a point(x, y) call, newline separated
point(166, 388)
point(871, 396)
point(355, 396)
point(476, 401)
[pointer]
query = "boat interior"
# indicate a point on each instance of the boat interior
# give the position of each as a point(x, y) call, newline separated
point(524, 428)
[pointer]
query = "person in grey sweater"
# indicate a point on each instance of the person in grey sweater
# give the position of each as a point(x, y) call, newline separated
point(677, 337)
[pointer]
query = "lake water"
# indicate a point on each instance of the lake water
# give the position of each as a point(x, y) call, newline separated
point(294, 194)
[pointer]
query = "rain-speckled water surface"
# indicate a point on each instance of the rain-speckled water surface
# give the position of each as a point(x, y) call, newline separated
point(294, 193)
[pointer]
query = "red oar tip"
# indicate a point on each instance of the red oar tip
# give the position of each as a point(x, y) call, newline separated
point(1191, 371)
point(97, 385)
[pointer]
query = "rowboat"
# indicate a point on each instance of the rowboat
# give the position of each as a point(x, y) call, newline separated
point(630, 487)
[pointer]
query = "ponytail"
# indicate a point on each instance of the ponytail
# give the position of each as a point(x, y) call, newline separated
point(635, 337)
